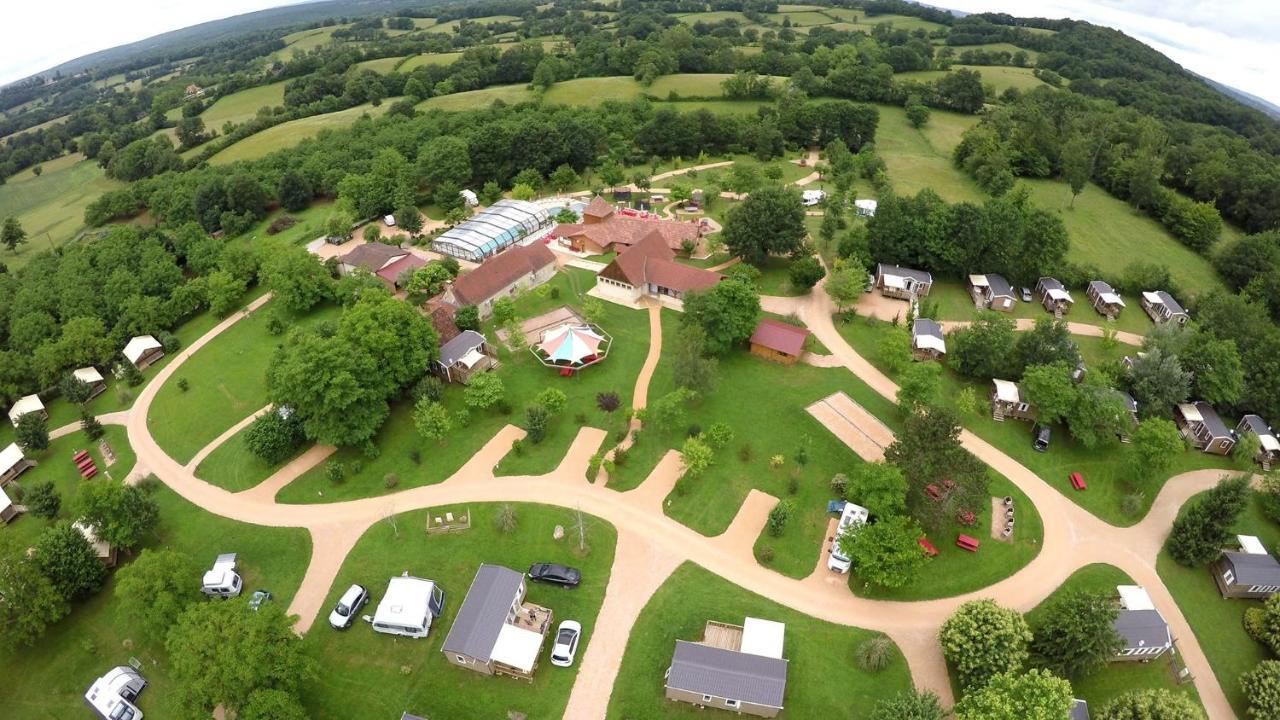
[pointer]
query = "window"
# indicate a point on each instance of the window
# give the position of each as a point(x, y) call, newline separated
point(460, 659)
point(731, 703)
point(706, 698)
point(1228, 577)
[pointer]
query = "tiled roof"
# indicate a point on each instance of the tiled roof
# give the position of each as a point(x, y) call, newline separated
point(500, 271)
point(391, 272)
point(621, 230)
point(779, 336)
point(651, 260)
point(372, 256)
point(597, 208)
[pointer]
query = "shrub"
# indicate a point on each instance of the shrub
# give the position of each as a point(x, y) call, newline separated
point(415, 456)
point(793, 485)
point(982, 639)
point(744, 452)
point(839, 482)
point(607, 401)
point(536, 419)
point(693, 430)
point(390, 480)
point(32, 432)
point(334, 472)
point(274, 438)
point(92, 428)
point(169, 342)
point(505, 520)
point(1262, 687)
point(719, 435)
point(517, 447)
point(1133, 503)
point(357, 467)
point(874, 655)
point(429, 386)
point(183, 385)
point(778, 517)
point(275, 324)
point(765, 555)
point(580, 418)
point(43, 500)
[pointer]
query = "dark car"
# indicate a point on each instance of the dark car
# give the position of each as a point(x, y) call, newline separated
point(555, 574)
point(1040, 437)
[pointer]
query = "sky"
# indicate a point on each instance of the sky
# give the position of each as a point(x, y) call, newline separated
point(1236, 42)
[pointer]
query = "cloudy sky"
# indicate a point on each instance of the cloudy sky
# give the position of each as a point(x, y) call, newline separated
point(1237, 42)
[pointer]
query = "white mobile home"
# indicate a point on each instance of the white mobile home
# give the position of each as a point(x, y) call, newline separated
point(408, 607)
point(222, 580)
point(852, 516)
point(112, 696)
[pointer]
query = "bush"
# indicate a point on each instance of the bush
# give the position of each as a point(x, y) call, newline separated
point(390, 480)
point(505, 520)
point(467, 318)
point(429, 386)
point(1262, 688)
point(607, 401)
point(168, 341)
point(357, 467)
point(275, 324)
point(1133, 504)
point(334, 472)
point(874, 655)
point(536, 419)
point(415, 456)
point(517, 447)
point(183, 385)
point(43, 500)
point(839, 482)
point(693, 430)
point(274, 438)
point(92, 428)
point(744, 452)
point(793, 485)
point(766, 554)
point(778, 517)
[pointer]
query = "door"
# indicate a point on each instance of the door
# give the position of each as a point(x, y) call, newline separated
point(436, 603)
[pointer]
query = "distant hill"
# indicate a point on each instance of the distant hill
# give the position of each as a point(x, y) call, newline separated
point(1241, 96)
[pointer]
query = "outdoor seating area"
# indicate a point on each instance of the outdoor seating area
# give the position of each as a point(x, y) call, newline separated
point(967, 542)
point(571, 347)
point(84, 464)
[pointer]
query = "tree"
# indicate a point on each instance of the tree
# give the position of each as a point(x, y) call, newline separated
point(879, 487)
point(120, 514)
point(1216, 372)
point(612, 174)
point(338, 225)
point(1153, 447)
point(806, 272)
point(43, 500)
point(1077, 164)
point(409, 219)
point(484, 391)
point(562, 178)
point(1263, 624)
point(190, 131)
point(293, 191)
point(1034, 695)
point(1262, 687)
point(467, 318)
point(689, 365)
point(667, 412)
point(696, 456)
point(779, 516)
point(846, 285)
point(920, 386)
point(31, 601)
point(431, 419)
point(909, 704)
point(274, 436)
point(1051, 391)
point(273, 704)
point(428, 280)
point(1151, 704)
point(884, 553)
point(32, 432)
point(12, 235)
point(894, 349)
point(154, 589)
point(981, 640)
point(220, 654)
point(985, 348)
point(91, 427)
point(224, 291)
point(67, 558)
point(490, 193)
point(769, 222)
point(504, 310)
point(74, 389)
point(1048, 342)
point(1204, 528)
point(727, 313)
point(295, 278)
point(917, 112)
point(1158, 382)
point(553, 399)
point(445, 160)
point(1099, 415)
point(371, 233)
point(521, 191)
point(942, 477)
point(1076, 635)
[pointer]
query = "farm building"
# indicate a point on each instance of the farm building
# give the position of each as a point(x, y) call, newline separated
point(903, 283)
point(27, 404)
point(649, 268)
point(778, 341)
point(1008, 400)
point(604, 229)
point(465, 355)
point(523, 267)
point(1268, 445)
point(91, 377)
point(1250, 573)
point(492, 230)
point(13, 463)
point(992, 292)
point(496, 632)
point(1104, 299)
point(732, 668)
point(387, 262)
point(1054, 296)
point(143, 351)
point(1162, 308)
point(927, 341)
point(1145, 633)
point(1201, 426)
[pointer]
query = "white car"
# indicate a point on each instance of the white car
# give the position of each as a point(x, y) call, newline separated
point(566, 646)
point(348, 605)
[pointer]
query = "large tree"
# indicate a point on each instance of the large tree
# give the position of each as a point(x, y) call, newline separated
point(1050, 391)
point(67, 558)
point(1204, 528)
point(982, 640)
point(1151, 704)
point(325, 382)
point(295, 277)
point(690, 366)
point(154, 589)
point(122, 515)
point(220, 654)
point(11, 234)
point(884, 553)
point(1158, 382)
point(1216, 373)
point(727, 313)
point(769, 222)
point(1034, 695)
point(31, 602)
point(879, 487)
point(1153, 447)
point(928, 452)
point(444, 160)
point(1048, 342)
point(985, 348)
point(1076, 635)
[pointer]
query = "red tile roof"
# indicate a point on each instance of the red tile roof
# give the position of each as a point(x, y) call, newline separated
point(651, 261)
point(779, 336)
point(597, 208)
point(626, 231)
point(372, 256)
point(500, 271)
point(390, 273)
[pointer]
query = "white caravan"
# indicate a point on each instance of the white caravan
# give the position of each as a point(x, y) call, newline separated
point(112, 696)
point(812, 197)
point(222, 580)
point(852, 516)
point(408, 607)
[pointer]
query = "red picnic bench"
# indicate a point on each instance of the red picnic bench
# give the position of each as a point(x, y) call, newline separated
point(89, 472)
point(1077, 481)
point(933, 492)
point(566, 372)
point(79, 456)
point(967, 542)
point(928, 547)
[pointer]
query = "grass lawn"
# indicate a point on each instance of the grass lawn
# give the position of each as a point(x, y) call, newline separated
point(227, 383)
point(448, 27)
point(429, 59)
point(1218, 623)
point(867, 21)
point(380, 65)
point(1104, 468)
point(366, 674)
point(289, 134)
point(241, 106)
point(233, 467)
point(822, 680)
point(1108, 233)
point(713, 17)
point(775, 277)
point(921, 158)
point(63, 663)
point(955, 303)
point(51, 207)
point(304, 40)
point(1117, 677)
point(999, 77)
point(473, 99)
point(523, 378)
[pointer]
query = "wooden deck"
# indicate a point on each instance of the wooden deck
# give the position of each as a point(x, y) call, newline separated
point(723, 636)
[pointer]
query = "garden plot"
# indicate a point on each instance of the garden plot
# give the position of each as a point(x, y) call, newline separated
point(853, 425)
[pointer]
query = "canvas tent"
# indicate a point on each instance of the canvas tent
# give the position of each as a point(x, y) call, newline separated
point(143, 350)
point(26, 404)
point(12, 463)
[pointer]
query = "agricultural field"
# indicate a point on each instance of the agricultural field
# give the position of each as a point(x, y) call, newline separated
point(473, 99)
point(286, 135)
point(41, 126)
point(381, 65)
point(998, 77)
point(713, 17)
point(303, 40)
point(822, 680)
point(996, 47)
point(429, 59)
point(51, 207)
point(921, 158)
point(449, 27)
point(241, 106)
point(866, 22)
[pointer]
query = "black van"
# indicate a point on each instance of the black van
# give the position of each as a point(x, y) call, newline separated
point(1040, 437)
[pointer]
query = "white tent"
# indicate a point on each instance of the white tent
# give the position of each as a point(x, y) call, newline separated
point(865, 207)
point(516, 647)
point(88, 375)
point(1007, 391)
point(9, 457)
point(28, 404)
point(570, 343)
point(139, 346)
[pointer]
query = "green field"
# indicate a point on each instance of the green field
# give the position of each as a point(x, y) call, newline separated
point(51, 206)
point(1118, 677)
point(366, 674)
point(381, 65)
point(921, 158)
point(429, 59)
point(286, 135)
point(996, 47)
point(241, 106)
point(865, 22)
point(451, 26)
point(474, 99)
point(713, 17)
point(1217, 622)
point(822, 680)
point(40, 126)
point(998, 76)
point(304, 40)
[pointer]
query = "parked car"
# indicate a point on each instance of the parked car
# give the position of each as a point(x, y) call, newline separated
point(257, 598)
point(566, 646)
point(348, 607)
point(1040, 437)
point(1026, 294)
point(555, 574)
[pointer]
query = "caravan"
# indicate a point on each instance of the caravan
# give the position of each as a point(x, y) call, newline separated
point(111, 696)
point(852, 516)
point(408, 607)
point(222, 580)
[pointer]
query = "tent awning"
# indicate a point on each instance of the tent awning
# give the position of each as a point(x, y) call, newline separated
point(570, 343)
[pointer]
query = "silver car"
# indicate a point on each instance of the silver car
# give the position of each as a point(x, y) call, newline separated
point(348, 606)
point(566, 646)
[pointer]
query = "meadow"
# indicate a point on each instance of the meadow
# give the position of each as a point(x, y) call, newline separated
point(286, 135)
point(51, 206)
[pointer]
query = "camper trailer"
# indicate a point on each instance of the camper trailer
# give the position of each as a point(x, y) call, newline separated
point(111, 696)
point(222, 580)
point(408, 607)
point(852, 516)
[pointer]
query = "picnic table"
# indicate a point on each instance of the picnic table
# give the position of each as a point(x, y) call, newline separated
point(1077, 481)
point(928, 547)
point(967, 542)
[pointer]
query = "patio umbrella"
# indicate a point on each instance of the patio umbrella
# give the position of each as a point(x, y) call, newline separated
point(570, 343)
